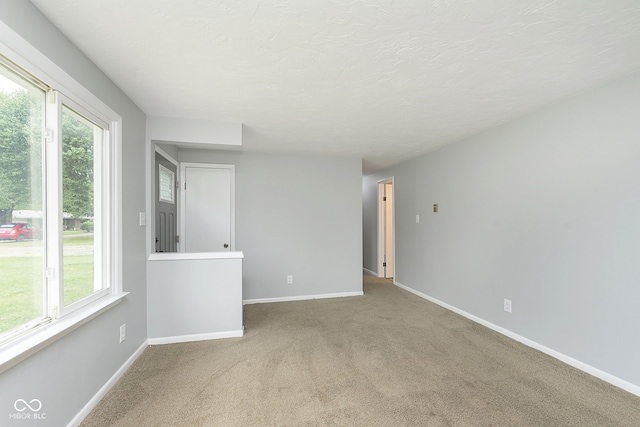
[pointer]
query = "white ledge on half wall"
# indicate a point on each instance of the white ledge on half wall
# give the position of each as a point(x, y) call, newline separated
point(181, 256)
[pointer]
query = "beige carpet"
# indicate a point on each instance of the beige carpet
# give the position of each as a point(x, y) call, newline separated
point(388, 358)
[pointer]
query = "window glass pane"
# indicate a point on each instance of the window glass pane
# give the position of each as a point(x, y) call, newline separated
point(21, 203)
point(81, 142)
point(167, 184)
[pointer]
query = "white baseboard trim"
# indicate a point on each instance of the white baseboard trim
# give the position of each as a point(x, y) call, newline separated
point(611, 379)
point(105, 388)
point(195, 337)
point(302, 298)
point(369, 272)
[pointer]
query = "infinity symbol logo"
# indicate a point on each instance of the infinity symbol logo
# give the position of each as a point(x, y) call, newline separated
point(21, 405)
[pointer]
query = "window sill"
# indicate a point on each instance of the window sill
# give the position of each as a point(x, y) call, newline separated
point(17, 350)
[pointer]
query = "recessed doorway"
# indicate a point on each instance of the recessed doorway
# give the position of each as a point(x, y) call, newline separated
point(386, 229)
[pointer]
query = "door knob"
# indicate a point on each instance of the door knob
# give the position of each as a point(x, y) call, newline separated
point(226, 245)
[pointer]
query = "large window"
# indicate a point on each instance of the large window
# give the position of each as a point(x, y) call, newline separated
point(57, 204)
point(22, 261)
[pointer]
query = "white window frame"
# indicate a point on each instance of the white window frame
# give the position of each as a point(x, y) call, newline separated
point(63, 320)
point(163, 169)
point(102, 175)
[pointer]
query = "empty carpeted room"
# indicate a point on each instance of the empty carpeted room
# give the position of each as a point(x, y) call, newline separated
point(319, 213)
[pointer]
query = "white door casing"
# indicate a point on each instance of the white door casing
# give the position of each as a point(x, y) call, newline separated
point(208, 206)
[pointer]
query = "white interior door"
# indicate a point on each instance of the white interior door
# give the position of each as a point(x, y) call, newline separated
point(208, 206)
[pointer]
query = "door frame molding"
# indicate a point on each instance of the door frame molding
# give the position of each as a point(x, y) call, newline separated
point(232, 201)
point(381, 217)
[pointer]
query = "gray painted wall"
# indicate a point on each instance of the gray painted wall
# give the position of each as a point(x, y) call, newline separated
point(544, 211)
point(66, 374)
point(194, 299)
point(171, 150)
point(370, 222)
point(298, 215)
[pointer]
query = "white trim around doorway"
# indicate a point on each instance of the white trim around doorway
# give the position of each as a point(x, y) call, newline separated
point(381, 227)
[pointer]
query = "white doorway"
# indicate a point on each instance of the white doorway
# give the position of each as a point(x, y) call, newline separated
point(208, 206)
point(386, 229)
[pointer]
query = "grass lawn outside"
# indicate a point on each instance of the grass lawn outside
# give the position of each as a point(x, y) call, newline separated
point(73, 232)
point(78, 240)
point(20, 291)
point(21, 280)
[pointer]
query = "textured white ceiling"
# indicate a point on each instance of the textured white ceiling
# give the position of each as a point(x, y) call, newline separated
point(384, 80)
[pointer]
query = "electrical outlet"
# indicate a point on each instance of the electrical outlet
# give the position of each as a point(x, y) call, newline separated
point(417, 218)
point(290, 280)
point(507, 305)
point(123, 332)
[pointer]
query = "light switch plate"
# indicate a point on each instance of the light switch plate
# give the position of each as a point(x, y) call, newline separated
point(142, 219)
